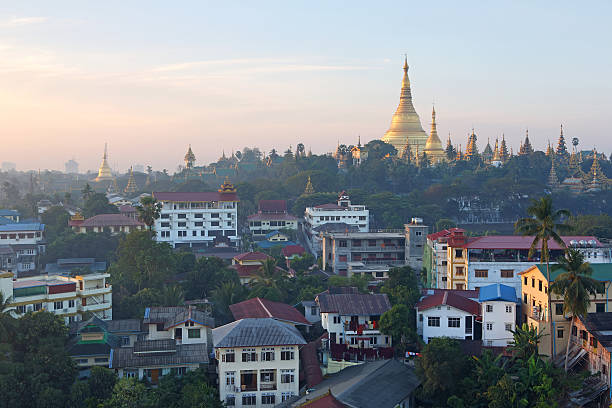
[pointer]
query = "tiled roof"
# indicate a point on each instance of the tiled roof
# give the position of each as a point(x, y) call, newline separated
point(272, 217)
point(110, 220)
point(467, 293)
point(252, 256)
point(261, 308)
point(245, 271)
point(272, 206)
point(443, 233)
point(255, 333)
point(184, 354)
point(521, 242)
point(173, 316)
point(601, 271)
point(126, 208)
point(26, 226)
point(354, 304)
point(324, 401)
point(497, 291)
point(208, 196)
point(291, 250)
point(448, 298)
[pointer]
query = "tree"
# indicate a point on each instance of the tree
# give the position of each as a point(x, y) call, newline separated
point(129, 393)
point(97, 203)
point(87, 192)
point(56, 222)
point(6, 320)
point(149, 210)
point(395, 322)
point(544, 225)
point(101, 382)
point(576, 286)
point(525, 342)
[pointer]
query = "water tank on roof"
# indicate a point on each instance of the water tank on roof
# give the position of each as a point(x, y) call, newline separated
point(573, 242)
point(592, 242)
point(582, 242)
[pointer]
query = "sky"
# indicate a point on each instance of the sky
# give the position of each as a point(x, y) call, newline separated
point(151, 77)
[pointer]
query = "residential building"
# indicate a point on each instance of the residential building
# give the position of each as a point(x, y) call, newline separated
point(534, 303)
point(312, 313)
point(383, 383)
point(416, 240)
point(113, 223)
point(12, 215)
point(473, 262)
point(448, 313)
point(351, 319)
point(258, 362)
point(274, 238)
point(341, 212)
point(363, 249)
point(258, 308)
point(21, 245)
point(247, 264)
point(271, 216)
point(291, 252)
point(198, 219)
point(129, 211)
point(176, 340)
point(434, 258)
point(499, 304)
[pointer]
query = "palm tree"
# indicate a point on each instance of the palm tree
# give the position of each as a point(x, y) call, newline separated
point(266, 275)
point(576, 286)
point(544, 224)
point(149, 210)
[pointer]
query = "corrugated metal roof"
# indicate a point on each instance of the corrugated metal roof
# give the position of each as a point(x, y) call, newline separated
point(261, 308)
point(522, 242)
point(256, 332)
point(601, 271)
point(354, 304)
point(208, 196)
point(497, 291)
point(32, 226)
point(448, 298)
point(125, 357)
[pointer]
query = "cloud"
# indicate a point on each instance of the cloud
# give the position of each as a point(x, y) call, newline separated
point(22, 21)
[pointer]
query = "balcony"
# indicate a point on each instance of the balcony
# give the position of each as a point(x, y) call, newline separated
point(95, 306)
point(96, 290)
point(365, 328)
point(267, 386)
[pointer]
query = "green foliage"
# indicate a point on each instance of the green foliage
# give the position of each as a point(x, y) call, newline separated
point(302, 263)
point(56, 222)
point(396, 322)
point(525, 342)
point(101, 246)
point(597, 225)
point(97, 203)
point(149, 210)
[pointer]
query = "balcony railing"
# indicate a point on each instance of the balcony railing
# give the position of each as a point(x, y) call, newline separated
point(267, 386)
point(248, 387)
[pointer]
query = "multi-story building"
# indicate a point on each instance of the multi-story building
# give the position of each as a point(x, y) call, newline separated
point(474, 262)
point(343, 212)
point(10, 215)
point(362, 251)
point(499, 307)
point(434, 258)
point(534, 288)
point(175, 340)
point(352, 319)
point(257, 308)
point(416, 240)
point(21, 245)
point(198, 219)
point(271, 216)
point(113, 223)
point(448, 313)
point(258, 362)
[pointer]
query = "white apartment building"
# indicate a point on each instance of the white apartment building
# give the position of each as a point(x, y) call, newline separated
point(258, 362)
point(499, 305)
point(21, 245)
point(446, 313)
point(350, 215)
point(198, 219)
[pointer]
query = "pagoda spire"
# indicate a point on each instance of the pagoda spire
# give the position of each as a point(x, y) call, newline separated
point(561, 147)
point(104, 172)
point(309, 187)
point(131, 186)
point(526, 148)
point(189, 158)
point(433, 146)
point(503, 150)
point(553, 180)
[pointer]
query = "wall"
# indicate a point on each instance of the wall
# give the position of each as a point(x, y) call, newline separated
point(499, 317)
point(444, 312)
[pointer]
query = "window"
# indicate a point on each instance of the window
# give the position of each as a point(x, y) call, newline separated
point(159, 327)
point(165, 234)
point(420, 317)
point(454, 322)
point(182, 233)
point(508, 308)
point(182, 215)
point(193, 333)
point(489, 308)
point(342, 243)
point(58, 305)
point(600, 307)
point(559, 333)
point(559, 308)
point(182, 224)
point(489, 326)
point(165, 224)
point(228, 356)
point(214, 215)
point(287, 376)
point(459, 271)
point(37, 306)
point(165, 216)
point(532, 282)
point(230, 400)
point(433, 321)
point(525, 298)
point(21, 309)
point(198, 215)
point(230, 378)
point(248, 355)
point(125, 340)
point(194, 233)
point(249, 399)
point(460, 286)
point(267, 354)
point(540, 285)
point(71, 303)
point(313, 310)
point(525, 281)
point(508, 326)
point(286, 395)
point(482, 273)
point(287, 353)
point(267, 399)
point(336, 319)
point(458, 253)
point(342, 258)
point(101, 359)
point(507, 273)
point(214, 223)
point(373, 340)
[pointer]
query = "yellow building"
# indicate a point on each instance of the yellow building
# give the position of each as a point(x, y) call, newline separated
point(534, 288)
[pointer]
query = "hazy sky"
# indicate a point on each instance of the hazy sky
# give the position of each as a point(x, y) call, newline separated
point(150, 77)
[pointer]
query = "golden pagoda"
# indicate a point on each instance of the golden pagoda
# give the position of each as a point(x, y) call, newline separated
point(189, 158)
point(496, 160)
point(596, 180)
point(503, 150)
point(553, 180)
point(105, 173)
point(549, 150)
point(405, 125)
point(471, 151)
point(433, 146)
point(227, 186)
point(131, 185)
point(309, 187)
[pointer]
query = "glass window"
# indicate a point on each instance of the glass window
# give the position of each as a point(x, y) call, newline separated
point(482, 273)
point(454, 322)
point(489, 326)
point(508, 308)
point(433, 321)
point(507, 273)
point(558, 309)
point(193, 333)
point(489, 308)
point(600, 307)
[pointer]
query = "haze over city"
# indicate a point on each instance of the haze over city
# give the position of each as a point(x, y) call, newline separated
point(150, 79)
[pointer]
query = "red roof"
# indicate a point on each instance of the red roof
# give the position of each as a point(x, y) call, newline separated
point(262, 308)
point(325, 401)
point(252, 256)
point(521, 242)
point(291, 250)
point(449, 298)
point(310, 362)
point(274, 206)
point(245, 271)
point(110, 220)
point(444, 233)
point(207, 196)
point(272, 217)
point(126, 208)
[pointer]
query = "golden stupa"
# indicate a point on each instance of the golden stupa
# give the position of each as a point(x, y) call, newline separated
point(406, 126)
point(104, 173)
point(433, 146)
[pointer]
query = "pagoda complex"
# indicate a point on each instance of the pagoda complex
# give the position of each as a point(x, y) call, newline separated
point(406, 129)
point(104, 173)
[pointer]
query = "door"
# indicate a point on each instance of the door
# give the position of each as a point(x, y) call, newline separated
point(154, 376)
point(178, 333)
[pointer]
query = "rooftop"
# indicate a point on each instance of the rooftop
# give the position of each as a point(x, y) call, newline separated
point(173, 316)
point(256, 332)
point(262, 308)
point(449, 298)
point(110, 220)
point(601, 271)
point(523, 242)
point(8, 213)
point(166, 355)
point(272, 217)
point(26, 226)
point(252, 256)
point(497, 291)
point(291, 250)
point(444, 233)
point(272, 206)
point(353, 303)
point(208, 196)
point(600, 326)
